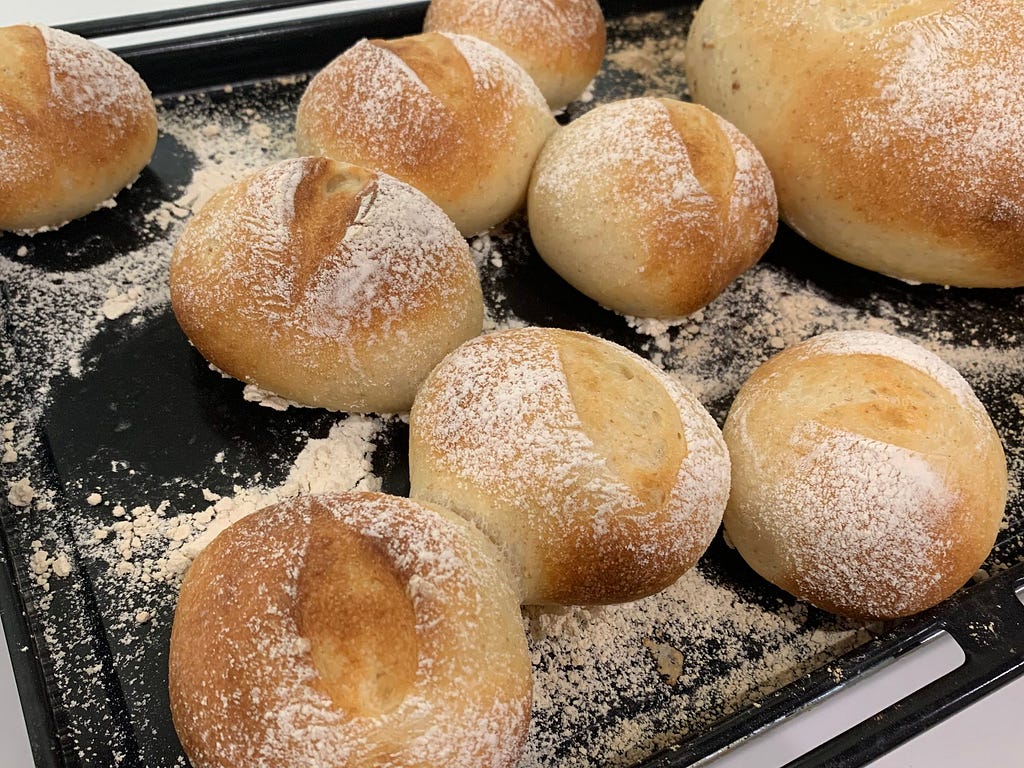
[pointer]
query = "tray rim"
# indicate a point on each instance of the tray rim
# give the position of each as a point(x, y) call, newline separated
point(213, 56)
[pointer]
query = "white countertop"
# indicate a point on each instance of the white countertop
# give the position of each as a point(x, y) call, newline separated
point(987, 733)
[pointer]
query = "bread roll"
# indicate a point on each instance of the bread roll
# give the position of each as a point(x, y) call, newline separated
point(651, 206)
point(449, 114)
point(894, 130)
point(867, 478)
point(325, 283)
point(560, 43)
point(601, 478)
point(77, 125)
point(355, 630)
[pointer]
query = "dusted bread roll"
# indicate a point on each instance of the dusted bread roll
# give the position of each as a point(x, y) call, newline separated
point(651, 206)
point(895, 130)
point(355, 630)
point(325, 283)
point(867, 478)
point(560, 43)
point(601, 479)
point(77, 125)
point(449, 114)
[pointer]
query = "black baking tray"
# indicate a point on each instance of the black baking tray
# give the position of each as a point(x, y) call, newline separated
point(145, 394)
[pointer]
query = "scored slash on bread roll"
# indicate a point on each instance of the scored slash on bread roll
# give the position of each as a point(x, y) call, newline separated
point(651, 206)
point(325, 283)
point(77, 125)
point(355, 630)
point(600, 478)
point(867, 478)
point(450, 114)
point(560, 43)
point(895, 130)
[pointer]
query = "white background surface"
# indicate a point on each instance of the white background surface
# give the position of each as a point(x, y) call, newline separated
point(989, 734)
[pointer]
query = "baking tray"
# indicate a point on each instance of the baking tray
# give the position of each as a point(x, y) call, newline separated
point(108, 412)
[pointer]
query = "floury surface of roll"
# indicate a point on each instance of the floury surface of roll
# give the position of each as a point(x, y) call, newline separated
point(867, 478)
point(894, 129)
point(651, 206)
point(77, 125)
point(325, 283)
point(600, 478)
point(352, 630)
point(449, 114)
point(560, 43)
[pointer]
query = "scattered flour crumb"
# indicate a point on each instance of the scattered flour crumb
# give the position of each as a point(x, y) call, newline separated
point(146, 545)
point(1017, 399)
point(254, 394)
point(260, 131)
point(61, 566)
point(10, 453)
point(43, 566)
point(21, 493)
point(119, 302)
point(40, 561)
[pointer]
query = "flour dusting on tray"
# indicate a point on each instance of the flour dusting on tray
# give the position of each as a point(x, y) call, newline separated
point(99, 555)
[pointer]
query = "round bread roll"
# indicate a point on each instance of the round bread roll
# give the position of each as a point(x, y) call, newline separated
point(651, 206)
point(77, 125)
point(356, 630)
point(894, 130)
point(560, 43)
point(601, 479)
point(449, 114)
point(325, 283)
point(867, 478)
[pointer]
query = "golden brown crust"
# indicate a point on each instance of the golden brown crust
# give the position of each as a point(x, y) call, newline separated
point(894, 130)
point(423, 154)
point(349, 629)
point(560, 43)
point(601, 480)
point(867, 478)
point(326, 284)
point(651, 206)
point(346, 578)
point(77, 125)
point(451, 115)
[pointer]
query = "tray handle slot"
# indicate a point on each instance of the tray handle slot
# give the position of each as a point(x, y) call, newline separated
point(983, 626)
point(848, 704)
point(991, 633)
